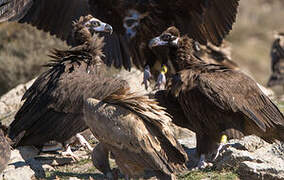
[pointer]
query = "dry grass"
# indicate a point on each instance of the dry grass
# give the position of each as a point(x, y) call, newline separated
point(23, 50)
point(252, 35)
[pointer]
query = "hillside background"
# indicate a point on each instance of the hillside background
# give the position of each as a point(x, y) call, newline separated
point(23, 49)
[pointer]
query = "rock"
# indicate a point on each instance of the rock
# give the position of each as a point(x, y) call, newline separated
point(253, 158)
point(18, 168)
point(11, 102)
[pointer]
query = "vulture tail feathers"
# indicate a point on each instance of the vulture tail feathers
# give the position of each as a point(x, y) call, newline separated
point(157, 121)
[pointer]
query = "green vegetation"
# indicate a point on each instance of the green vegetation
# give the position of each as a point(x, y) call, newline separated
point(213, 175)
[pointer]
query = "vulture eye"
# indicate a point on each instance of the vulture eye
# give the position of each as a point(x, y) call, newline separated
point(130, 22)
point(95, 23)
point(166, 37)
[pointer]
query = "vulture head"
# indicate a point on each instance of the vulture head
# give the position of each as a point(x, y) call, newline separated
point(169, 37)
point(131, 22)
point(86, 26)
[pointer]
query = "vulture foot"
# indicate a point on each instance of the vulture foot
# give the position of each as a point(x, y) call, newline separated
point(223, 142)
point(84, 142)
point(161, 81)
point(146, 77)
point(69, 152)
point(202, 164)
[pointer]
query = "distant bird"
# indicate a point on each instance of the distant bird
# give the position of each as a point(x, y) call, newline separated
point(136, 131)
point(217, 102)
point(5, 151)
point(277, 61)
point(135, 23)
point(53, 107)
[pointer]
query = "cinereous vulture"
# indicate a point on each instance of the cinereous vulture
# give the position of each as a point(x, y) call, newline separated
point(137, 133)
point(216, 101)
point(53, 107)
point(135, 23)
point(5, 151)
point(277, 61)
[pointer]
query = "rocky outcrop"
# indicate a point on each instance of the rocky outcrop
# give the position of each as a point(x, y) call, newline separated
point(11, 102)
point(253, 158)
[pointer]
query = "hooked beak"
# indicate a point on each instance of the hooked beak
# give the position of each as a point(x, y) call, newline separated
point(104, 27)
point(157, 42)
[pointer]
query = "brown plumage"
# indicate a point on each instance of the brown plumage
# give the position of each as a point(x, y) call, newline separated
point(135, 22)
point(136, 131)
point(277, 61)
point(53, 108)
point(217, 100)
point(5, 151)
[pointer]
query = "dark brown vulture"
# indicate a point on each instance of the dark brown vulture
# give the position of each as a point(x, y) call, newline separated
point(53, 107)
point(135, 22)
point(5, 151)
point(277, 61)
point(136, 131)
point(214, 99)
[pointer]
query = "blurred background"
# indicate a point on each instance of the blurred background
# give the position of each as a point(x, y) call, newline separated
point(23, 49)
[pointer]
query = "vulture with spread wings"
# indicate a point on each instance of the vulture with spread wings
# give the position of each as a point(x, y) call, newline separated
point(216, 101)
point(135, 23)
point(277, 61)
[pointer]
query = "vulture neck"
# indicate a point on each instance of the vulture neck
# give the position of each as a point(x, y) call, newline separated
point(182, 55)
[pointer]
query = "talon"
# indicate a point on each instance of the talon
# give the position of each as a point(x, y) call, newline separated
point(147, 76)
point(84, 142)
point(161, 81)
point(69, 152)
point(224, 140)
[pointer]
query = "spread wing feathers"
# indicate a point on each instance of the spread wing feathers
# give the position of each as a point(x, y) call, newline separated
point(205, 20)
point(5, 151)
point(51, 16)
point(236, 92)
point(55, 101)
point(14, 10)
point(171, 105)
point(144, 132)
point(56, 17)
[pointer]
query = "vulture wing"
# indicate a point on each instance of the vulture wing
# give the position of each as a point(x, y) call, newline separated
point(51, 16)
point(56, 17)
point(49, 108)
point(236, 92)
point(136, 130)
point(203, 20)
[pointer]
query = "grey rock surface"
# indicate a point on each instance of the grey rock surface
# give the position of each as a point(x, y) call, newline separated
point(253, 158)
point(11, 102)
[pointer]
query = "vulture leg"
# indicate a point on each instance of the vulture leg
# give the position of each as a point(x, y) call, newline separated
point(161, 81)
point(202, 164)
point(100, 160)
point(224, 141)
point(147, 76)
point(69, 152)
point(84, 142)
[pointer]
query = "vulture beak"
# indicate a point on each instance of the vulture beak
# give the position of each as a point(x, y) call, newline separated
point(157, 42)
point(104, 27)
